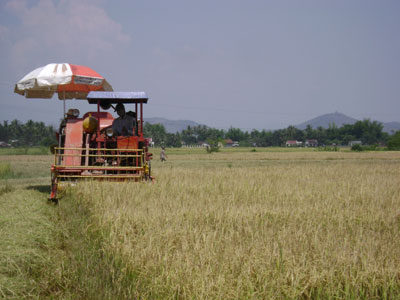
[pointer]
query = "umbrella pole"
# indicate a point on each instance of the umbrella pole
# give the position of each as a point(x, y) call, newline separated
point(64, 101)
point(60, 132)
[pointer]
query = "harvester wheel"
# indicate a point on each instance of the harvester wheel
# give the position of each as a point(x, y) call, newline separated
point(54, 183)
point(53, 195)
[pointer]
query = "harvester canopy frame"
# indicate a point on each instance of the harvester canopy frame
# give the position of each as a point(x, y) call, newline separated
point(117, 97)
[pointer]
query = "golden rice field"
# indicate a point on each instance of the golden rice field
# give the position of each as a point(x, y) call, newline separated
point(255, 225)
point(238, 224)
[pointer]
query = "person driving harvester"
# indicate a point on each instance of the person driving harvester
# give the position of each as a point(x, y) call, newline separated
point(124, 124)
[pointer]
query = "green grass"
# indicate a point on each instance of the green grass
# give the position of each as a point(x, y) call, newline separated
point(6, 189)
point(195, 150)
point(5, 171)
point(48, 251)
point(51, 252)
point(16, 167)
point(29, 233)
point(25, 151)
point(28, 238)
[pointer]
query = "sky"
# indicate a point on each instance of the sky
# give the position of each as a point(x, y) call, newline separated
point(253, 64)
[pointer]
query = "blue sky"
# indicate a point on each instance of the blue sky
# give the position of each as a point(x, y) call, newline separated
point(247, 64)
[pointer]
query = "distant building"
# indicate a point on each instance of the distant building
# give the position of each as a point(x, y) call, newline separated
point(4, 145)
point(352, 143)
point(228, 143)
point(195, 145)
point(311, 143)
point(294, 143)
point(202, 144)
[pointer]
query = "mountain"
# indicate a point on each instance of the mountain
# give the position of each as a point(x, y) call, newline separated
point(340, 119)
point(172, 126)
point(391, 127)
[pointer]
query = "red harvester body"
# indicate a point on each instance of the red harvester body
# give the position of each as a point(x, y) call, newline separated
point(88, 147)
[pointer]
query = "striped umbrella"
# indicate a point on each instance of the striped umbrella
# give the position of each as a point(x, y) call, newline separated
point(68, 81)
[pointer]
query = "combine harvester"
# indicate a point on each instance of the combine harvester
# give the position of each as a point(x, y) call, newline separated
point(89, 147)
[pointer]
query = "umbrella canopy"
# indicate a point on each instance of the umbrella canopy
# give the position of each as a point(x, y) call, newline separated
point(69, 81)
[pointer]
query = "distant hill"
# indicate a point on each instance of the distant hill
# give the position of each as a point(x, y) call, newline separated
point(172, 126)
point(340, 119)
point(391, 127)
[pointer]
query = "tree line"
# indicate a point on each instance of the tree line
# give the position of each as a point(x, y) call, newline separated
point(366, 131)
point(31, 133)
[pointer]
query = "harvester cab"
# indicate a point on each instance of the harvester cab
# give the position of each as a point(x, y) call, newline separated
point(97, 146)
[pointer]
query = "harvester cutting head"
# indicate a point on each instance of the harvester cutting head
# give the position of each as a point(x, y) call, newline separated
point(99, 146)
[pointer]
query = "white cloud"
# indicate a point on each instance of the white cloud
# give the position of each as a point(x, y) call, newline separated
point(65, 29)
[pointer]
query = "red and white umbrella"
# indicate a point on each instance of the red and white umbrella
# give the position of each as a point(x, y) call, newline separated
point(68, 81)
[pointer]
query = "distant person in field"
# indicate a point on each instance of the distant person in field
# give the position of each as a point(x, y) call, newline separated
point(163, 156)
point(123, 125)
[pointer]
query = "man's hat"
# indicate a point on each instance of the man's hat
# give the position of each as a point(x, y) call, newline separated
point(119, 106)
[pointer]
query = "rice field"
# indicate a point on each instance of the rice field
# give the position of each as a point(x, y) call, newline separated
point(238, 224)
point(256, 225)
